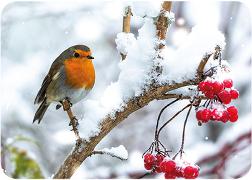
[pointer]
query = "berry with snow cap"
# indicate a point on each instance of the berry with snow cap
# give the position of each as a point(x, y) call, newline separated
point(228, 83)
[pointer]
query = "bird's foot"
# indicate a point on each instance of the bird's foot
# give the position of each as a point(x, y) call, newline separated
point(66, 103)
point(68, 99)
point(74, 123)
point(78, 141)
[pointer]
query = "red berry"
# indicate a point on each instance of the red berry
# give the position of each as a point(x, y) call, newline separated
point(216, 115)
point(190, 172)
point(170, 176)
point(234, 93)
point(233, 118)
point(217, 87)
point(233, 113)
point(159, 159)
point(232, 110)
point(148, 166)
point(225, 116)
point(198, 115)
point(209, 94)
point(228, 83)
point(149, 158)
point(205, 115)
point(167, 166)
point(201, 86)
point(225, 96)
point(208, 86)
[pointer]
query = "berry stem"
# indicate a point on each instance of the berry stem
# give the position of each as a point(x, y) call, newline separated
point(159, 116)
point(172, 119)
point(184, 127)
point(181, 150)
point(149, 149)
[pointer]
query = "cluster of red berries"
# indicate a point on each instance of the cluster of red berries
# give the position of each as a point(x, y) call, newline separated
point(160, 164)
point(223, 93)
point(224, 115)
point(221, 90)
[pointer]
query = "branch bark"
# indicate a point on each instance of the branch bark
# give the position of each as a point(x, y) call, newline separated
point(162, 22)
point(126, 20)
point(73, 121)
point(126, 24)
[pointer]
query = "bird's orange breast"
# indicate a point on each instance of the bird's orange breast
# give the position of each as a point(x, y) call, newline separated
point(80, 73)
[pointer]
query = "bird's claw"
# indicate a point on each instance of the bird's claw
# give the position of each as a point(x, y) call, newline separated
point(69, 102)
point(74, 122)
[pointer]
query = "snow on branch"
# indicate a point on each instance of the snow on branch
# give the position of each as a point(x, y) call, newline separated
point(119, 152)
point(138, 83)
point(126, 31)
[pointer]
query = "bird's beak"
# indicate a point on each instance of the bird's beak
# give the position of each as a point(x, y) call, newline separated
point(90, 57)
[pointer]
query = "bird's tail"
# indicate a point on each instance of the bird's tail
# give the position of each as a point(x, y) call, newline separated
point(41, 111)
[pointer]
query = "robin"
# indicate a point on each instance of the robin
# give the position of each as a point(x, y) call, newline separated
point(71, 77)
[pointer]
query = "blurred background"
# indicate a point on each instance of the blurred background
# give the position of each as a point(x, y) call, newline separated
point(35, 33)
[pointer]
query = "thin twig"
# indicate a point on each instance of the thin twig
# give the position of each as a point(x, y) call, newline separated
point(73, 121)
point(201, 66)
point(180, 96)
point(162, 22)
point(126, 24)
point(108, 153)
point(216, 55)
point(126, 19)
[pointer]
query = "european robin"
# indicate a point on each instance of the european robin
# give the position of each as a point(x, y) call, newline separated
point(71, 77)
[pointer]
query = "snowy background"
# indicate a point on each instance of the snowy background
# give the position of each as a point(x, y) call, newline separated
point(35, 33)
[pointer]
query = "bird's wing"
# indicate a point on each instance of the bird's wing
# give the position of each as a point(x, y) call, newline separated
point(47, 80)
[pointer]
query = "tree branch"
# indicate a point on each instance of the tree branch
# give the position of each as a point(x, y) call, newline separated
point(126, 20)
point(108, 153)
point(85, 149)
point(73, 121)
point(126, 24)
point(162, 22)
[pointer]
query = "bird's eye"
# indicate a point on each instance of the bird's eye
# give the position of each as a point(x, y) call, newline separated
point(76, 54)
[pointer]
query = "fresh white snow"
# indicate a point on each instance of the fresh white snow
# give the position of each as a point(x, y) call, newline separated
point(135, 71)
point(119, 151)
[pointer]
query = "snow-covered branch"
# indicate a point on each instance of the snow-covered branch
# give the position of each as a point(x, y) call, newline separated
point(138, 83)
point(118, 152)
